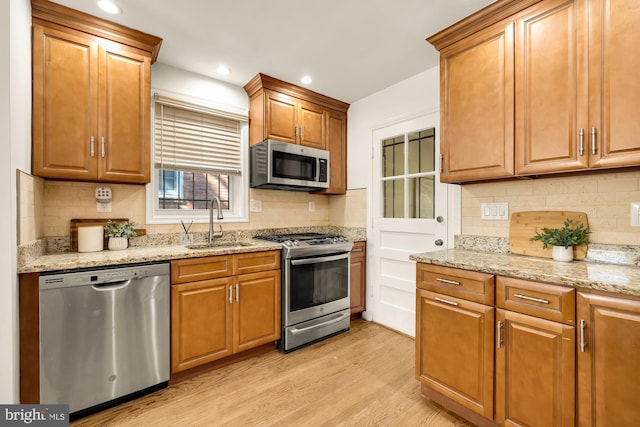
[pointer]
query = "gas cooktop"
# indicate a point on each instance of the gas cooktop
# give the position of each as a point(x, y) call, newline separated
point(298, 242)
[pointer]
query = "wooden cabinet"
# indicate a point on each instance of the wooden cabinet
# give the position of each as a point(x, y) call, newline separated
point(454, 338)
point(608, 360)
point(569, 68)
point(285, 112)
point(91, 97)
point(232, 305)
point(476, 104)
point(358, 277)
point(534, 353)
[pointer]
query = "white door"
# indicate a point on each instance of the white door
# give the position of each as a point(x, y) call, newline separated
point(409, 209)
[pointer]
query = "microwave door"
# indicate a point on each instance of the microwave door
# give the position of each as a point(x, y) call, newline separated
point(292, 169)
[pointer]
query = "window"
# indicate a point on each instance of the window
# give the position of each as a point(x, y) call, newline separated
point(199, 153)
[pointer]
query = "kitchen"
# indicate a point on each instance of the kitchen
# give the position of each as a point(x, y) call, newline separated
point(605, 197)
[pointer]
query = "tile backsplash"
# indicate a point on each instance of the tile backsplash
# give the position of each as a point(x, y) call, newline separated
point(605, 197)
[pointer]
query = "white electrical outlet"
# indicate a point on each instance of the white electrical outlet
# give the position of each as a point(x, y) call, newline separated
point(635, 214)
point(256, 205)
point(312, 207)
point(494, 211)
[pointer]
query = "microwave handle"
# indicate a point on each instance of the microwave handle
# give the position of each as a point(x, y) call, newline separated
point(319, 259)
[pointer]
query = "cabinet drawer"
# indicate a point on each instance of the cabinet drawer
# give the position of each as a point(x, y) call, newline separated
point(253, 262)
point(469, 285)
point(359, 250)
point(552, 302)
point(196, 269)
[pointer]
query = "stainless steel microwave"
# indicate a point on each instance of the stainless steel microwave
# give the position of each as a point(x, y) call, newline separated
point(284, 166)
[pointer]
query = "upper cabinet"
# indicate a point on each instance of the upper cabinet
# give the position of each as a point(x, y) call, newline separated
point(568, 66)
point(91, 97)
point(284, 112)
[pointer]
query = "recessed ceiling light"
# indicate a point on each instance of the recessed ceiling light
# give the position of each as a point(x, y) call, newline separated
point(306, 80)
point(223, 70)
point(109, 7)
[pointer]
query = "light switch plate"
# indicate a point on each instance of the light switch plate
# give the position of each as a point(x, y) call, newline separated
point(312, 207)
point(256, 205)
point(494, 211)
point(635, 214)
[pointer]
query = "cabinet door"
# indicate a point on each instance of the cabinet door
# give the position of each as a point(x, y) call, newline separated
point(535, 371)
point(614, 87)
point(124, 119)
point(357, 278)
point(337, 146)
point(476, 103)
point(201, 323)
point(608, 361)
point(551, 88)
point(311, 125)
point(454, 349)
point(256, 308)
point(65, 103)
point(280, 117)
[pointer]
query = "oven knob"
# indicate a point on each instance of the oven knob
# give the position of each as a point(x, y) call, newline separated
point(287, 243)
point(295, 243)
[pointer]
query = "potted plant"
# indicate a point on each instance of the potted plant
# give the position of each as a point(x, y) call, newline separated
point(119, 233)
point(563, 239)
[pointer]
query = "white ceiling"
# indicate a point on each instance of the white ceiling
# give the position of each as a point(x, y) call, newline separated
point(351, 48)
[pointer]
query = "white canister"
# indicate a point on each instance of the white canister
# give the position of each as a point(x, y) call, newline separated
point(90, 238)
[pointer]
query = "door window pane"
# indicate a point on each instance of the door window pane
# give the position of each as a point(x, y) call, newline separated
point(421, 194)
point(393, 156)
point(393, 198)
point(421, 151)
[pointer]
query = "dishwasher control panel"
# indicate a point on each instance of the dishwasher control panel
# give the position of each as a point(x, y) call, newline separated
point(101, 276)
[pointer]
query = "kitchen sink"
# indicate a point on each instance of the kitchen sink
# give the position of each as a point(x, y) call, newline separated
point(214, 245)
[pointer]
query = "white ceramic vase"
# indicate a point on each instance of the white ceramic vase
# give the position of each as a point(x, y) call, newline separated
point(118, 243)
point(560, 253)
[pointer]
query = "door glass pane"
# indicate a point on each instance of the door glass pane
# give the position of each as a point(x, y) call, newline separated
point(393, 156)
point(422, 151)
point(421, 197)
point(393, 198)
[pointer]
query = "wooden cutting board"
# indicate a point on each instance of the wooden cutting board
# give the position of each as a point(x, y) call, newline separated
point(524, 225)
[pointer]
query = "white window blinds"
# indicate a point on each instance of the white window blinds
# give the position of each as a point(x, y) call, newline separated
point(196, 138)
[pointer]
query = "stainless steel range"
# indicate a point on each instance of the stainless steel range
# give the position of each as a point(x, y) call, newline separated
point(315, 287)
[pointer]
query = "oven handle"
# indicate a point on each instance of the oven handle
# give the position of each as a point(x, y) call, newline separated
point(298, 331)
point(319, 259)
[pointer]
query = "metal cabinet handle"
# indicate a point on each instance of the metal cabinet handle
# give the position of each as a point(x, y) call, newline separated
point(237, 293)
point(593, 140)
point(230, 294)
point(499, 340)
point(581, 141)
point(102, 143)
point(446, 301)
point(295, 132)
point(301, 133)
point(450, 282)
point(93, 146)
point(528, 298)
point(583, 342)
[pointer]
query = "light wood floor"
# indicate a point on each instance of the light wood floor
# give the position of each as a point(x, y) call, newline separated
point(364, 377)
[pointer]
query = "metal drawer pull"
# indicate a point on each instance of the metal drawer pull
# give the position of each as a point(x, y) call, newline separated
point(583, 342)
point(230, 294)
point(593, 140)
point(450, 282)
point(93, 146)
point(540, 300)
point(499, 340)
point(444, 301)
point(581, 146)
point(237, 293)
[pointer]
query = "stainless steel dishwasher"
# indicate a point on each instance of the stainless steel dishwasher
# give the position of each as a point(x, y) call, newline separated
point(104, 335)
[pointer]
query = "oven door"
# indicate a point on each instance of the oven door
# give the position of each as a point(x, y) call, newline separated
point(315, 286)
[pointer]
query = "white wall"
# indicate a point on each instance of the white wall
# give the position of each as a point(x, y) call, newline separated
point(416, 95)
point(15, 138)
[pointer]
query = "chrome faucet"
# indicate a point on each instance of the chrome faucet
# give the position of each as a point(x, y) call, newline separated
point(213, 234)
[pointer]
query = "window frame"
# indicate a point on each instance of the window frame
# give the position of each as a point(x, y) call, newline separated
point(238, 185)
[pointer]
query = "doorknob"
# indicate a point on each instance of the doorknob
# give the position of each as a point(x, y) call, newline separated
point(440, 219)
point(439, 242)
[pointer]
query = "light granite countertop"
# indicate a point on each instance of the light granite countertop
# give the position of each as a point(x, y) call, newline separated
point(622, 279)
point(132, 255)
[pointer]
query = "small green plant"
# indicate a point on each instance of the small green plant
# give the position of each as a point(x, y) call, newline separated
point(120, 229)
point(565, 236)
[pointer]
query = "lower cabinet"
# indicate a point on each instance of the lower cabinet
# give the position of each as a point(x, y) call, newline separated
point(358, 277)
point(223, 313)
point(608, 360)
